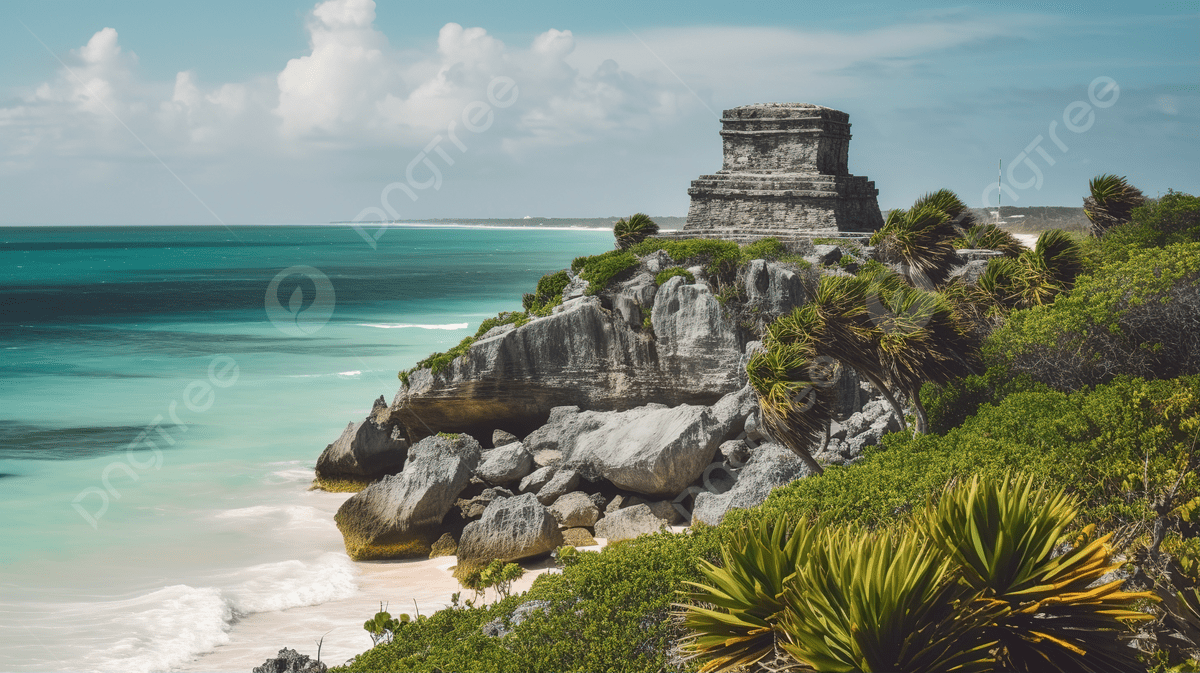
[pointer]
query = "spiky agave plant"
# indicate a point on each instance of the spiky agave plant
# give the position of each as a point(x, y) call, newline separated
point(1111, 202)
point(746, 595)
point(989, 237)
point(634, 230)
point(885, 601)
point(1002, 532)
point(919, 240)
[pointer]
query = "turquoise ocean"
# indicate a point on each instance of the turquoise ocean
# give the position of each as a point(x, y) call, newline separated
point(164, 395)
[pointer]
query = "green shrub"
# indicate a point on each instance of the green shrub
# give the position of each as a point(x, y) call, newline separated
point(547, 294)
point(1140, 317)
point(607, 611)
point(720, 258)
point(1174, 218)
point(599, 270)
point(667, 274)
point(950, 404)
point(1099, 443)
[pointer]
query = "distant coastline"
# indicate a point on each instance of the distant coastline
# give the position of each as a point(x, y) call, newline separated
point(605, 223)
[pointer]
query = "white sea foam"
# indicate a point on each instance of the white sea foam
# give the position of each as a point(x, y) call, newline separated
point(287, 515)
point(402, 325)
point(168, 627)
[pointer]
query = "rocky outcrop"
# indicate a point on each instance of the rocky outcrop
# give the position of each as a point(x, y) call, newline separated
point(398, 516)
point(628, 523)
point(770, 466)
point(366, 450)
point(510, 529)
point(290, 661)
point(584, 355)
point(655, 450)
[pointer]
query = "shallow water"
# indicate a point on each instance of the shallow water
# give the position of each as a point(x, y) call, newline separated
point(158, 429)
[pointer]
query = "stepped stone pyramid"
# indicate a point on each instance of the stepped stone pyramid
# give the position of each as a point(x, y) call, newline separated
point(784, 175)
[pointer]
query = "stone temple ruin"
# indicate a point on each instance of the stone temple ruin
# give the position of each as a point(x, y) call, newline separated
point(784, 175)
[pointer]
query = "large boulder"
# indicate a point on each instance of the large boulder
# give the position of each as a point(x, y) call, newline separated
point(510, 529)
point(583, 355)
point(505, 464)
point(365, 451)
point(575, 509)
point(653, 449)
point(398, 516)
point(628, 523)
point(770, 466)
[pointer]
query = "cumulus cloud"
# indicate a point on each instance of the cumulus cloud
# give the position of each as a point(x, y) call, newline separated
point(353, 93)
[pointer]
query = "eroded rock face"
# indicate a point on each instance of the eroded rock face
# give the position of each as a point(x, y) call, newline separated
point(583, 355)
point(774, 289)
point(510, 529)
point(398, 516)
point(654, 449)
point(366, 450)
point(770, 466)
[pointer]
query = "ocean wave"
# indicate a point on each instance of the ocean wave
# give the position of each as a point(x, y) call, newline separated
point(401, 325)
point(289, 515)
point(171, 626)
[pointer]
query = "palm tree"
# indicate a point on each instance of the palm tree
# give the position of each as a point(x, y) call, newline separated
point(1035, 276)
point(948, 202)
point(920, 241)
point(1111, 202)
point(634, 230)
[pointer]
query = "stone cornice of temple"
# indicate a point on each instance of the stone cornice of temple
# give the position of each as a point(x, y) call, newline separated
point(828, 133)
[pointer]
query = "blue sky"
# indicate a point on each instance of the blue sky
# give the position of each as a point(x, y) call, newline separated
point(126, 112)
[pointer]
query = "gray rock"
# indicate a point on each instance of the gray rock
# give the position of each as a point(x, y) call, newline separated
point(971, 272)
point(497, 627)
point(498, 330)
point(653, 449)
point(505, 464)
point(599, 500)
point(871, 435)
point(845, 401)
point(657, 261)
point(398, 516)
point(968, 255)
point(755, 432)
point(771, 466)
point(641, 289)
point(547, 457)
point(290, 661)
point(576, 288)
point(664, 510)
point(537, 479)
point(621, 501)
point(628, 523)
point(473, 508)
point(772, 288)
point(510, 529)
point(502, 438)
point(694, 341)
point(562, 482)
point(628, 309)
point(366, 450)
point(827, 254)
point(736, 452)
point(574, 510)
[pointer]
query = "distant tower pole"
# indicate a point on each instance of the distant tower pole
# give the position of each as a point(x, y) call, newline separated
point(999, 192)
